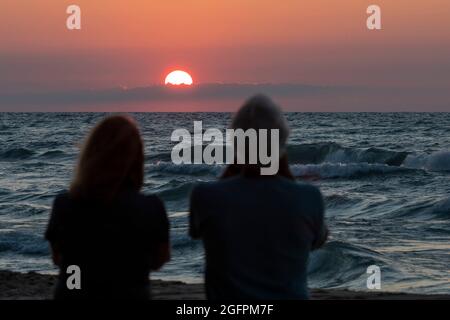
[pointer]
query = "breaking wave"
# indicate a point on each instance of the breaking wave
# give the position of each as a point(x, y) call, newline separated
point(359, 160)
point(436, 209)
point(339, 263)
point(316, 153)
point(343, 170)
point(438, 161)
point(327, 170)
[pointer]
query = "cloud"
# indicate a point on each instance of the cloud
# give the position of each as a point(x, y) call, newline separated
point(160, 93)
point(227, 97)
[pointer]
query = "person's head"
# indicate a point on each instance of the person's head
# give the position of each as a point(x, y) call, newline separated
point(260, 112)
point(111, 160)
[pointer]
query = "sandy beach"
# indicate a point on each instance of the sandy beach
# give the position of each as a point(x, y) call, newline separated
point(34, 286)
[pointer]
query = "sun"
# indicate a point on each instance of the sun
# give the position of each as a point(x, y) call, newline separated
point(179, 77)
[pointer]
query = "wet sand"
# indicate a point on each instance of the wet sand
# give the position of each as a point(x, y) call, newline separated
point(34, 286)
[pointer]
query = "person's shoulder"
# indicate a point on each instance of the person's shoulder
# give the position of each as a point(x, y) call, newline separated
point(306, 190)
point(151, 207)
point(311, 198)
point(62, 199)
point(149, 200)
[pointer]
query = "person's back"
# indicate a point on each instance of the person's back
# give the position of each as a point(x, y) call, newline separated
point(104, 225)
point(258, 226)
point(257, 234)
point(115, 245)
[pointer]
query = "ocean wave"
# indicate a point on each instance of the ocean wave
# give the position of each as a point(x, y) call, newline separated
point(20, 209)
point(341, 263)
point(186, 169)
point(316, 153)
point(442, 208)
point(331, 160)
point(16, 154)
point(438, 161)
point(343, 170)
point(52, 154)
point(159, 156)
point(424, 209)
point(439, 210)
point(23, 243)
point(340, 200)
point(175, 191)
point(4, 191)
point(330, 153)
point(322, 171)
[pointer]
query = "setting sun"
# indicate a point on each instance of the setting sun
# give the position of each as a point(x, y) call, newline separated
point(179, 77)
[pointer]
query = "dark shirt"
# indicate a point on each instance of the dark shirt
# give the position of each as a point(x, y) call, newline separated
point(257, 234)
point(114, 245)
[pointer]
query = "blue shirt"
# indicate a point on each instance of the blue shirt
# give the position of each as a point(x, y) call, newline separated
point(257, 234)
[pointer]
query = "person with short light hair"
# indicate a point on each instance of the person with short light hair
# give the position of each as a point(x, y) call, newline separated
point(257, 230)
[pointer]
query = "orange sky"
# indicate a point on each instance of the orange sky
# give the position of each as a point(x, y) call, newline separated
point(135, 42)
point(199, 23)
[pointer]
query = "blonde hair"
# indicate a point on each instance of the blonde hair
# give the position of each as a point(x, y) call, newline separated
point(260, 112)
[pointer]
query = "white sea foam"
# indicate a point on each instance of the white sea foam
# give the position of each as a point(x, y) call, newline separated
point(438, 161)
point(342, 170)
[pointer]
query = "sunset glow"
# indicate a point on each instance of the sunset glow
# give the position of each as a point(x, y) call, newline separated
point(179, 77)
point(229, 44)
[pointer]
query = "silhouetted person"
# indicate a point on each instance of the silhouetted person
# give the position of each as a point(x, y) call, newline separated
point(257, 230)
point(104, 225)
